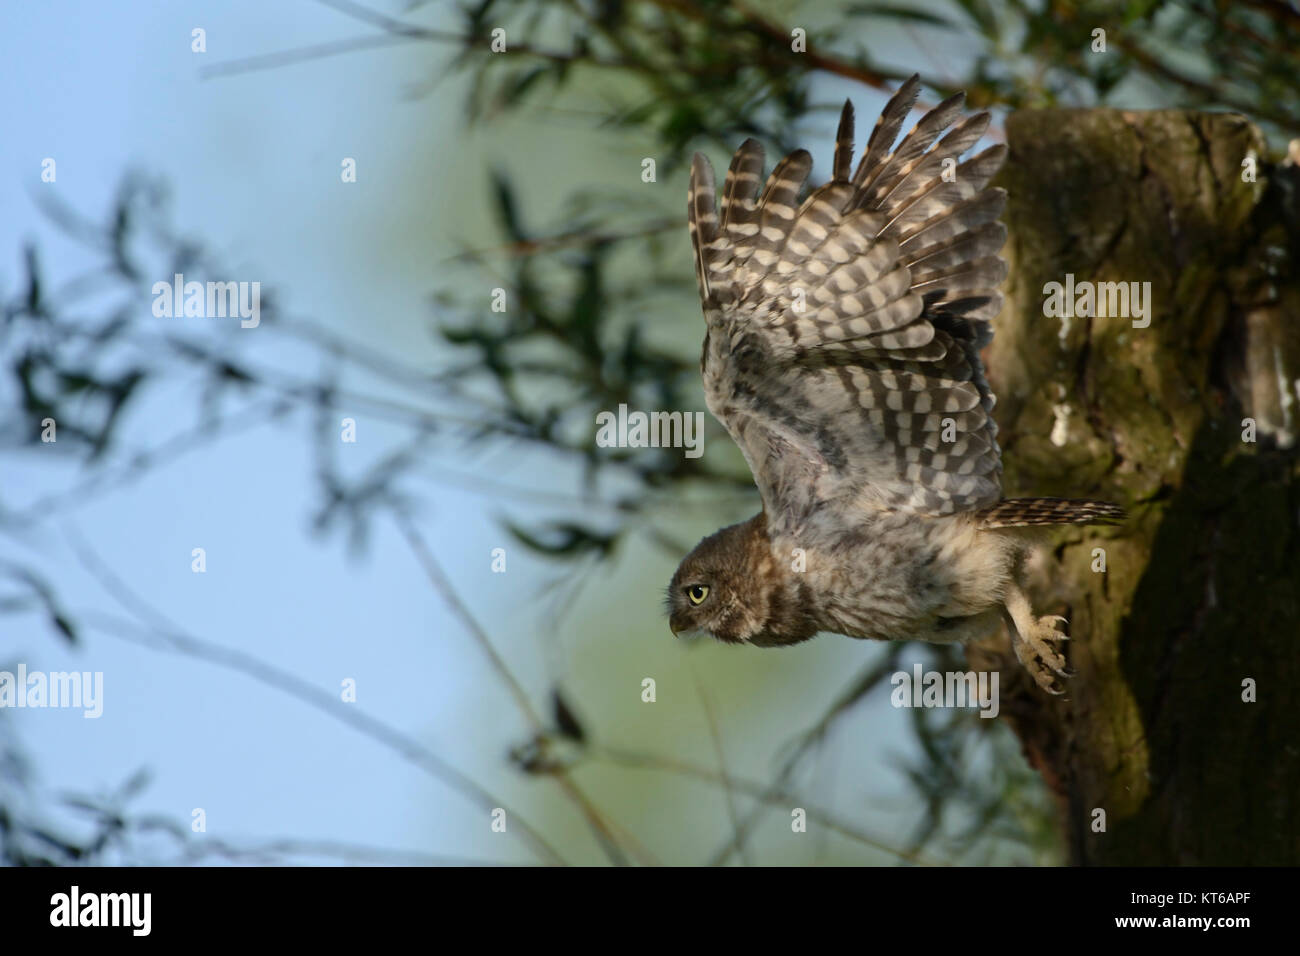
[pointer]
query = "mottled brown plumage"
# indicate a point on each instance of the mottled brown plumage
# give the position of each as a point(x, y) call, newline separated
point(841, 353)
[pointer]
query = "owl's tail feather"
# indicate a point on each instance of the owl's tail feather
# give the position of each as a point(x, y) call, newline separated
point(1023, 512)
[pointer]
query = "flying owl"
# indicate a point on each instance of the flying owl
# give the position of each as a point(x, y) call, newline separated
point(842, 355)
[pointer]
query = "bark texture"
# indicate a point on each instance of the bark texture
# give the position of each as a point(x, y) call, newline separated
point(1201, 590)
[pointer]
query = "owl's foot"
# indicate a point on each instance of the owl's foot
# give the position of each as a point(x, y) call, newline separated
point(1040, 647)
point(1039, 642)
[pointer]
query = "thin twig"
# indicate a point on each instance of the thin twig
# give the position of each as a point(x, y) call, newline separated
point(732, 813)
point(395, 31)
point(107, 478)
point(600, 827)
point(161, 632)
point(438, 578)
point(763, 792)
point(274, 851)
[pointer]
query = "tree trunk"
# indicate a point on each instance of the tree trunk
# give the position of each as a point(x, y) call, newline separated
point(1201, 590)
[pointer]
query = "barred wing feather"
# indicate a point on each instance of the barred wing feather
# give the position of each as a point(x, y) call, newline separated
point(843, 331)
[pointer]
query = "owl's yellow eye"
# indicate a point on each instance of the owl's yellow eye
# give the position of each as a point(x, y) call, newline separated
point(697, 593)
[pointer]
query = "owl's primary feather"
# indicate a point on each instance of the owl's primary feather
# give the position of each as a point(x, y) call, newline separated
point(842, 355)
point(844, 332)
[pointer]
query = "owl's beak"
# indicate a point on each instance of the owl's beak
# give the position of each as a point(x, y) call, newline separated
point(676, 626)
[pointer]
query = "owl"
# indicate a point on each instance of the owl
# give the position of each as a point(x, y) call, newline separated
point(842, 355)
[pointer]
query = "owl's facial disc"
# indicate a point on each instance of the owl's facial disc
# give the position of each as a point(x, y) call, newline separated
point(711, 590)
point(699, 602)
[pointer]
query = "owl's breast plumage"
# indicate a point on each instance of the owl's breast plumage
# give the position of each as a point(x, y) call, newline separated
point(895, 576)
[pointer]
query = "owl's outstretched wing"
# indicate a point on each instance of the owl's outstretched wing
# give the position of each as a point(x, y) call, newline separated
point(842, 351)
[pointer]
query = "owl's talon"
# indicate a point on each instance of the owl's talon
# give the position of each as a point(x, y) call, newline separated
point(1040, 650)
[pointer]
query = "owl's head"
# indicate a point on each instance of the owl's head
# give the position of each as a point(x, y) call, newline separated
point(716, 589)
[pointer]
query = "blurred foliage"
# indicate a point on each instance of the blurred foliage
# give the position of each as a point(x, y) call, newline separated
point(587, 293)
